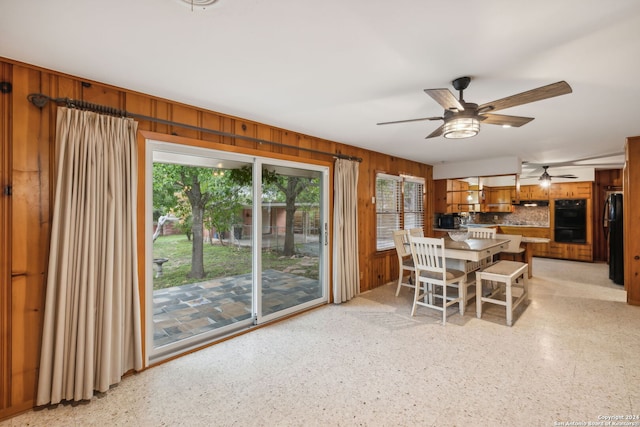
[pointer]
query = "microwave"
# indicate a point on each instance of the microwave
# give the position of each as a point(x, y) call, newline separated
point(451, 221)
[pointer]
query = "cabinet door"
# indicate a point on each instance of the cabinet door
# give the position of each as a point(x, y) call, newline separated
point(578, 190)
point(582, 190)
point(570, 251)
point(562, 190)
point(539, 193)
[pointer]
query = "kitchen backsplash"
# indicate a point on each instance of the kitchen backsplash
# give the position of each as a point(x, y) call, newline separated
point(537, 216)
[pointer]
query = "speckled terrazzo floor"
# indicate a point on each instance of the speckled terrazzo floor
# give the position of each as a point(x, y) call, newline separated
point(571, 356)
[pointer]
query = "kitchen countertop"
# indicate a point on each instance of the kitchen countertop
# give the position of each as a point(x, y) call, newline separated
point(505, 225)
point(535, 239)
point(466, 227)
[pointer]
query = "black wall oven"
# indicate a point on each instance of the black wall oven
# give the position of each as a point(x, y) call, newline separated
point(570, 221)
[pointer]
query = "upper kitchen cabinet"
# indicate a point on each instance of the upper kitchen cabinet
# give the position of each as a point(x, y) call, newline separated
point(474, 194)
point(533, 192)
point(570, 190)
point(499, 199)
point(456, 195)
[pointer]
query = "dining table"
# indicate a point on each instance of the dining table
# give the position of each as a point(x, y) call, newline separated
point(468, 255)
point(472, 249)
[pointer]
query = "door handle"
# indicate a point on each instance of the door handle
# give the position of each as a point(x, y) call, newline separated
point(326, 234)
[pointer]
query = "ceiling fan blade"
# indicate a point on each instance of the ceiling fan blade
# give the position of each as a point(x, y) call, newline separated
point(500, 119)
point(410, 120)
point(445, 98)
point(436, 132)
point(544, 92)
point(570, 176)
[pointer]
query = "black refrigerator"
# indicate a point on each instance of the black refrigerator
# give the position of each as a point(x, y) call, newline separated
point(614, 233)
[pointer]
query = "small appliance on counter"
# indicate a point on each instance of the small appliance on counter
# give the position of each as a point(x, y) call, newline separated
point(448, 221)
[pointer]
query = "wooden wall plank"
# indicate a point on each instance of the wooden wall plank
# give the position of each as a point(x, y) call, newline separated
point(185, 115)
point(30, 146)
point(631, 218)
point(211, 121)
point(103, 95)
point(5, 247)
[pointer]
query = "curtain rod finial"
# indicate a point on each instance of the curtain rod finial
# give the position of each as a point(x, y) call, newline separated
point(38, 99)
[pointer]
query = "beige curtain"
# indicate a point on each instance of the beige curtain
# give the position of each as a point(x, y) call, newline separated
point(92, 333)
point(346, 272)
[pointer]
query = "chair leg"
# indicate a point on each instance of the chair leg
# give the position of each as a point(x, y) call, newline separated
point(400, 280)
point(509, 301)
point(399, 285)
point(416, 294)
point(444, 305)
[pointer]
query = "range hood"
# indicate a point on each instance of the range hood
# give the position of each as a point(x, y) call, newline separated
point(531, 203)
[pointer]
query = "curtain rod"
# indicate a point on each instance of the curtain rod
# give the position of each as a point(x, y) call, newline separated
point(40, 100)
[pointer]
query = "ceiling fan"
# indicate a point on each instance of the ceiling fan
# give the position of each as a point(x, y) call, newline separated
point(546, 177)
point(462, 119)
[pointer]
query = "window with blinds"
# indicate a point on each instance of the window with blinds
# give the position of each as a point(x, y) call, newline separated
point(413, 211)
point(399, 205)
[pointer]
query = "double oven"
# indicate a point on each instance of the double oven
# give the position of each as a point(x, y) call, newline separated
point(570, 221)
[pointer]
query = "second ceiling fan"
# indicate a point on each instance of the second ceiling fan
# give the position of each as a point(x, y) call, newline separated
point(462, 119)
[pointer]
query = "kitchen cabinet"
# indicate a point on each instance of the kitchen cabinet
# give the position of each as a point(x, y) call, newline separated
point(570, 190)
point(498, 199)
point(571, 251)
point(533, 192)
point(455, 195)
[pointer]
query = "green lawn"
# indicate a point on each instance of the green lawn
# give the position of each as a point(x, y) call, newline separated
point(219, 261)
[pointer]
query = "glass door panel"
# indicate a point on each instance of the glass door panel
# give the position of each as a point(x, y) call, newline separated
point(293, 250)
point(201, 247)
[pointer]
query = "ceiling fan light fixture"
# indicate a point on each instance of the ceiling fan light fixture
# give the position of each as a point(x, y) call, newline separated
point(461, 127)
point(545, 180)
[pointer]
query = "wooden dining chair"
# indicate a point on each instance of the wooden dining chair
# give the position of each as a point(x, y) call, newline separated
point(437, 286)
point(416, 232)
point(405, 261)
point(483, 233)
point(513, 252)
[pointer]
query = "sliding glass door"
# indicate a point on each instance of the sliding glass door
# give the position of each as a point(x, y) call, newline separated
point(232, 241)
point(294, 239)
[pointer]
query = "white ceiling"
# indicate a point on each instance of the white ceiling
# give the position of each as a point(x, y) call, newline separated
point(335, 68)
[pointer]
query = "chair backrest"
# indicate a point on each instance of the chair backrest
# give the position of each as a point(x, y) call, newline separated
point(416, 232)
point(401, 241)
point(428, 255)
point(514, 241)
point(482, 233)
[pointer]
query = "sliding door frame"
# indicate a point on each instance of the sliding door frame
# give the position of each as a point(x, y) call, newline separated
point(151, 142)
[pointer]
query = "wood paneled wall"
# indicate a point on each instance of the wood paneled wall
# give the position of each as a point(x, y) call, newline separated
point(5, 260)
point(27, 164)
point(631, 219)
